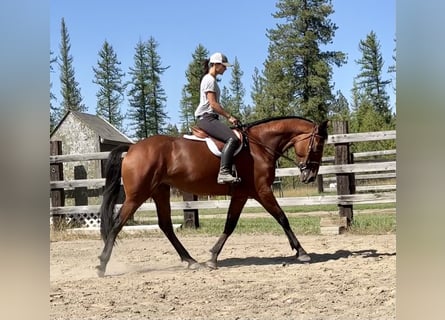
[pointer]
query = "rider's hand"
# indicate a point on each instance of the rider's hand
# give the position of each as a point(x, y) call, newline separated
point(233, 120)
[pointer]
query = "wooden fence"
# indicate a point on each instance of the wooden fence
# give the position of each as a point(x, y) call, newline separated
point(327, 172)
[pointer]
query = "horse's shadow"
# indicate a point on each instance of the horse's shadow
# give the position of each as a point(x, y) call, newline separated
point(315, 258)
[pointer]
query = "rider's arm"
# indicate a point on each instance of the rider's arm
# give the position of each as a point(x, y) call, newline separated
point(218, 108)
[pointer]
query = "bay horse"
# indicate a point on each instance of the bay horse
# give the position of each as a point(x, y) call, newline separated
point(153, 165)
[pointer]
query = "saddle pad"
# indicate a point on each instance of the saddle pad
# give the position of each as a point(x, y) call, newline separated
point(211, 144)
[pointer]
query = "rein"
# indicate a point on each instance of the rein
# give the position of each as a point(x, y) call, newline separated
point(300, 165)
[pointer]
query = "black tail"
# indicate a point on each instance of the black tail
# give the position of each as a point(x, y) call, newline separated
point(109, 219)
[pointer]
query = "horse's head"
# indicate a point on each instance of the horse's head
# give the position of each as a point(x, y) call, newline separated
point(309, 150)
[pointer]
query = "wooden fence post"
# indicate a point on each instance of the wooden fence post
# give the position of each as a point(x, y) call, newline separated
point(80, 193)
point(345, 181)
point(320, 183)
point(191, 216)
point(56, 174)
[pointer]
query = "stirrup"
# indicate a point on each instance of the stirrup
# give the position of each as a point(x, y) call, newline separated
point(227, 178)
point(224, 176)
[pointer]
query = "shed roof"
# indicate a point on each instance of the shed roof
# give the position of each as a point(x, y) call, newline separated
point(106, 131)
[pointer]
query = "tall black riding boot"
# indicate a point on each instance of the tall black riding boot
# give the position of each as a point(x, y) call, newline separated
point(224, 175)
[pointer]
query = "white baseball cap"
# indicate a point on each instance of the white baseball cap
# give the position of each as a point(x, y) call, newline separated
point(218, 57)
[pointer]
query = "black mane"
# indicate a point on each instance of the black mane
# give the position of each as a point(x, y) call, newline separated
point(251, 124)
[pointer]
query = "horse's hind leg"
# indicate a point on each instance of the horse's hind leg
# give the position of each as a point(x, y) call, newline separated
point(126, 211)
point(161, 197)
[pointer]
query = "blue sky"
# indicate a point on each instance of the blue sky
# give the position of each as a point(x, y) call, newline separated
point(234, 27)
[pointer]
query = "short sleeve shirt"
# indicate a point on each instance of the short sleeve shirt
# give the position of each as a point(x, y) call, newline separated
point(208, 84)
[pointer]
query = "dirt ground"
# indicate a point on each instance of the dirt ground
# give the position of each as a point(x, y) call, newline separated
point(258, 277)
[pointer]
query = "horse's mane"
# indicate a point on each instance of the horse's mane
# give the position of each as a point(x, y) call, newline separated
point(251, 124)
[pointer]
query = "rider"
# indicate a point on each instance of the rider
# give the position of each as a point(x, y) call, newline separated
point(209, 110)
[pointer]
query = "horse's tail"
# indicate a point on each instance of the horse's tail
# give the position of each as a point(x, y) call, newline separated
point(109, 219)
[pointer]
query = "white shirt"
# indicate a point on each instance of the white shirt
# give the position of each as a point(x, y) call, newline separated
point(208, 84)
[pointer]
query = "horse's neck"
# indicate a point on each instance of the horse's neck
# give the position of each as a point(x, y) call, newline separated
point(282, 129)
point(278, 135)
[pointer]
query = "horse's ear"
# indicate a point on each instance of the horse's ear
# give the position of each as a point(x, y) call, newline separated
point(325, 124)
point(323, 128)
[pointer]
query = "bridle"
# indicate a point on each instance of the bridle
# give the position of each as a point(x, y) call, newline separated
point(302, 165)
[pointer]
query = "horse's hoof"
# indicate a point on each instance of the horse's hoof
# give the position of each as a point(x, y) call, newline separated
point(100, 272)
point(304, 257)
point(194, 266)
point(211, 265)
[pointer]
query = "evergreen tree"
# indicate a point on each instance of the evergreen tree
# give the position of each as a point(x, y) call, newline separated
point(187, 116)
point(298, 73)
point(365, 118)
point(278, 92)
point(146, 95)
point(235, 104)
point(226, 101)
point(257, 94)
point(69, 89)
point(340, 108)
point(190, 91)
point(369, 81)
point(172, 130)
point(108, 76)
point(392, 69)
point(54, 112)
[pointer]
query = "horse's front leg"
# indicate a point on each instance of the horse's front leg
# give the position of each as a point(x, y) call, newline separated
point(235, 208)
point(269, 202)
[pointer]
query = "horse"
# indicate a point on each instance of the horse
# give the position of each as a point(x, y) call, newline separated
point(153, 165)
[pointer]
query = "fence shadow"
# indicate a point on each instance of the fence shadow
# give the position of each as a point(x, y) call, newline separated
point(316, 258)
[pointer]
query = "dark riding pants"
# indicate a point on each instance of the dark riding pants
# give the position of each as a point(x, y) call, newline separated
point(210, 123)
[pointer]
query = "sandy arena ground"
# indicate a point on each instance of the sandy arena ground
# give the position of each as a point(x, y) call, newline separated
point(351, 277)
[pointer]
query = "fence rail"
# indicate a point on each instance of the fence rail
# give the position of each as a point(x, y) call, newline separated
point(386, 197)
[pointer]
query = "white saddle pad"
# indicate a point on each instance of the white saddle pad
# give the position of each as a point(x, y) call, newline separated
point(211, 145)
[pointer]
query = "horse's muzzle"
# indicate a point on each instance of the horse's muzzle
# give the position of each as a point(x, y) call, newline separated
point(307, 176)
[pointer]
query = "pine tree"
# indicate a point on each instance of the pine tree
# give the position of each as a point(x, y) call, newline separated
point(108, 76)
point(226, 101)
point(235, 105)
point(257, 94)
point(298, 73)
point(392, 69)
point(137, 94)
point(54, 112)
point(369, 81)
point(187, 116)
point(339, 109)
point(146, 95)
point(278, 92)
point(70, 91)
point(190, 91)
point(172, 130)
point(365, 118)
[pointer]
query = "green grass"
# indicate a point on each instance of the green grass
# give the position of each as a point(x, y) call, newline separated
point(214, 227)
point(363, 224)
point(290, 209)
point(306, 225)
point(373, 224)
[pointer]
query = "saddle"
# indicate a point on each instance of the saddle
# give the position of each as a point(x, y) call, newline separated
point(214, 145)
